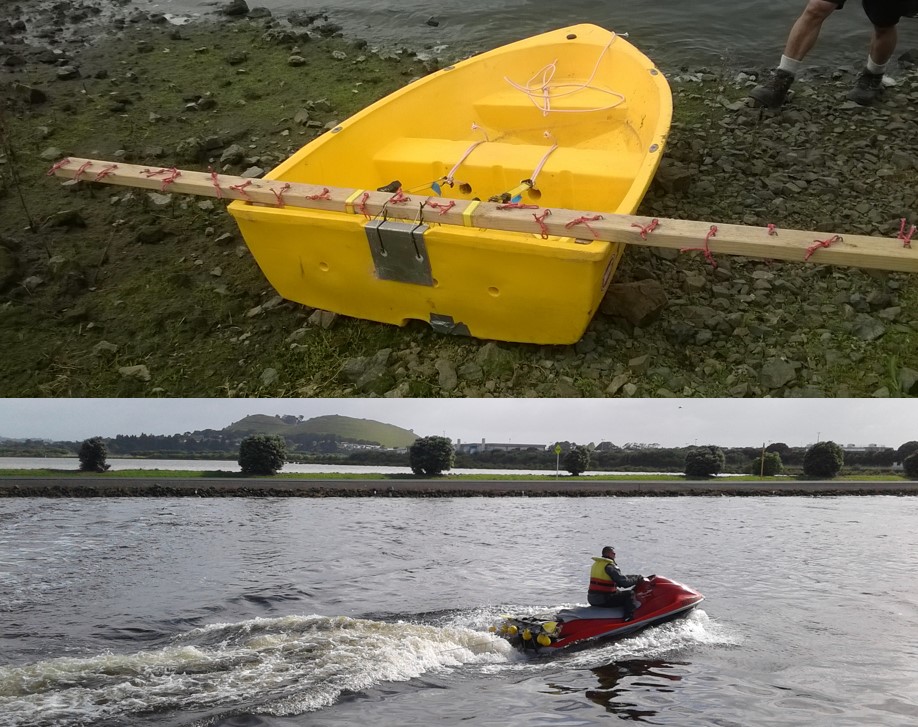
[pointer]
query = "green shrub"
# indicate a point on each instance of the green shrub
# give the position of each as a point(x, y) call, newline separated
point(910, 465)
point(705, 461)
point(906, 450)
point(262, 454)
point(92, 455)
point(431, 456)
point(770, 466)
point(823, 459)
point(576, 460)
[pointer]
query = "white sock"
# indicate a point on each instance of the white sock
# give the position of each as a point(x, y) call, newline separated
point(874, 67)
point(789, 65)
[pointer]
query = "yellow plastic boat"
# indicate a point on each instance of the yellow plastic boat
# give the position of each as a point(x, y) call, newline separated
point(575, 118)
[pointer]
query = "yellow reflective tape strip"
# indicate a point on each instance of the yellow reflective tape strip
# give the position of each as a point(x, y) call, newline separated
point(468, 211)
point(349, 202)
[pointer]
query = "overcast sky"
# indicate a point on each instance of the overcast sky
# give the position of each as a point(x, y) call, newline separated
point(668, 422)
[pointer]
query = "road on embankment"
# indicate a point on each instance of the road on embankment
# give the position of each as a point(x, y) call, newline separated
point(113, 486)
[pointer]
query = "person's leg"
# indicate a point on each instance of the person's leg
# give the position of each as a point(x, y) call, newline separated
point(803, 36)
point(805, 32)
point(632, 607)
point(885, 18)
point(628, 601)
point(883, 45)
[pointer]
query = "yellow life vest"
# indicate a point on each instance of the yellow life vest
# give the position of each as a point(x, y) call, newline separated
point(599, 579)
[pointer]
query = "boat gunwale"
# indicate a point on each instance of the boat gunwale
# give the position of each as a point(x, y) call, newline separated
point(644, 171)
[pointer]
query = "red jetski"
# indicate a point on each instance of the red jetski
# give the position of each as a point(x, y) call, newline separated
point(661, 600)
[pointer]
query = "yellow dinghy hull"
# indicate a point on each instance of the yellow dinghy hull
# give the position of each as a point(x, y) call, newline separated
point(575, 118)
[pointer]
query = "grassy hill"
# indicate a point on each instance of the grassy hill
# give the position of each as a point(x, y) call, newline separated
point(388, 435)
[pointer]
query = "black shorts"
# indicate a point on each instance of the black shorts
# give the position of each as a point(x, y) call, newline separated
point(885, 13)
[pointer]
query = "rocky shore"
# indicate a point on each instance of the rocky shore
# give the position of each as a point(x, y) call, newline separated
point(109, 292)
point(254, 487)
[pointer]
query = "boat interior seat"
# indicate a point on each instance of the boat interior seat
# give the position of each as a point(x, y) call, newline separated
point(511, 107)
point(500, 165)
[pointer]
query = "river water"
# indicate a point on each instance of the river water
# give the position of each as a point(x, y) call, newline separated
point(226, 465)
point(291, 612)
point(673, 33)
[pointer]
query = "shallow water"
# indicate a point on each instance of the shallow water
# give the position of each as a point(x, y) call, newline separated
point(716, 32)
point(291, 612)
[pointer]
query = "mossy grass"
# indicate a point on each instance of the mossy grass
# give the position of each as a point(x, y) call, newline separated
point(162, 304)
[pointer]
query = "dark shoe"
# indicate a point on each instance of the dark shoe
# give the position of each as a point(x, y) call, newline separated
point(773, 93)
point(867, 88)
point(628, 617)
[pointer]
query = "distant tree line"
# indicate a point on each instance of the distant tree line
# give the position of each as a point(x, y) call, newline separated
point(606, 457)
point(206, 444)
point(432, 456)
point(213, 441)
point(266, 454)
point(38, 448)
point(823, 459)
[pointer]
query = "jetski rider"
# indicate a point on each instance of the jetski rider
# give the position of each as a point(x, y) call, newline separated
point(609, 587)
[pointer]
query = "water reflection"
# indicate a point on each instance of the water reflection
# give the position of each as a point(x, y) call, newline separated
point(230, 468)
point(620, 680)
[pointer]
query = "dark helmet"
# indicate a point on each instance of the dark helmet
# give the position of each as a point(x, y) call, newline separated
point(607, 548)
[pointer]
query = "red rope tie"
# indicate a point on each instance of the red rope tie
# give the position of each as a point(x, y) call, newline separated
point(399, 198)
point(79, 172)
point(772, 229)
point(821, 243)
point(541, 220)
point(646, 229)
point(151, 173)
point(172, 173)
point(324, 194)
point(107, 172)
point(517, 206)
point(705, 250)
point(215, 182)
point(58, 165)
point(361, 206)
point(241, 188)
point(444, 208)
point(279, 194)
point(585, 221)
point(906, 237)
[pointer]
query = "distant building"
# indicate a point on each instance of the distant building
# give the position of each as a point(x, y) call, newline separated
point(356, 446)
point(863, 447)
point(478, 448)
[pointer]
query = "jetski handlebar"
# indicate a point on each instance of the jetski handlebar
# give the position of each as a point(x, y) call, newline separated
point(646, 583)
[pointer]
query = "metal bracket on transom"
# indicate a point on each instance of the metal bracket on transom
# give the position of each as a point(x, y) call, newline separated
point(399, 252)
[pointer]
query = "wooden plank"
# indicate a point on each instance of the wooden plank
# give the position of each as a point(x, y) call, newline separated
point(709, 239)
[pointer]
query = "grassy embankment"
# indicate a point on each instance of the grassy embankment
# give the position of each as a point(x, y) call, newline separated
point(636, 477)
point(161, 283)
